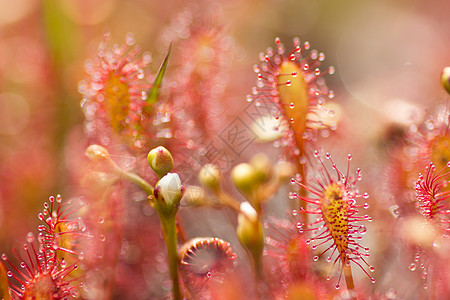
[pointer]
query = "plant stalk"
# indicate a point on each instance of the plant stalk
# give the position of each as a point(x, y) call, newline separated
point(349, 281)
point(169, 229)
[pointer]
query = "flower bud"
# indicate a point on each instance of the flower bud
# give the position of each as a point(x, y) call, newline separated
point(161, 161)
point(209, 177)
point(244, 178)
point(262, 166)
point(168, 192)
point(194, 196)
point(445, 79)
point(249, 230)
point(97, 153)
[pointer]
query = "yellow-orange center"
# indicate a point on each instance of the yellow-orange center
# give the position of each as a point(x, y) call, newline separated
point(335, 208)
point(117, 101)
point(293, 95)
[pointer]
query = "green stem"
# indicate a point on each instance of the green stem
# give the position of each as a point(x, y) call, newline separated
point(169, 229)
point(228, 200)
point(134, 178)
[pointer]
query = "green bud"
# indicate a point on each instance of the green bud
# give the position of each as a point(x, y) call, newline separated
point(161, 161)
point(244, 178)
point(262, 166)
point(209, 177)
point(250, 231)
point(97, 153)
point(445, 79)
point(168, 192)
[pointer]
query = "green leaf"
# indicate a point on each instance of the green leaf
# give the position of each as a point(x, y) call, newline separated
point(154, 91)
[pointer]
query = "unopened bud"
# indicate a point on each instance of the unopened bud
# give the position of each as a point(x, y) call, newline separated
point(97, 153)
point(209, 177)
point(445, 79)
point(262, 166)
point(194, 196)
point(168, 192)
point(244, 178)
point(161, 160)
point(250, 232)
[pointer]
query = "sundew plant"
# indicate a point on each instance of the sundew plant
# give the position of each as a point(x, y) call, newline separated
point(233, 149)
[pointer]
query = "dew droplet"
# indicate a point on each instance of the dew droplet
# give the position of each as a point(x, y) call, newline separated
point(315, 258)
point(30, 237)
point(362, 230)
point(412, 266)
point(4, 256)
point(101, 220)
point(331, 70)
point(9, 274)
point(337, 286)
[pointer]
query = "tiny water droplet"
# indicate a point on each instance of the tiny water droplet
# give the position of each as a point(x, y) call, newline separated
point(101, 220)
point(316, 258)
point(30, 237)
point(337, 286)
point(331, 70)
point(412, 266)
point(362, 230)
